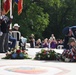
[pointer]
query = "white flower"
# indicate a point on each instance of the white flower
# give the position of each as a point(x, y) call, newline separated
point(39, 56)
point(48, 55)
point(67, 59)
point(8, 52)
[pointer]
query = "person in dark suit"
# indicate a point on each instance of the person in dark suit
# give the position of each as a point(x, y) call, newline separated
point(73, 28)
point(5, 24)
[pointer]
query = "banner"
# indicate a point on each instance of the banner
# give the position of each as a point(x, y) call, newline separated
point(6, 6)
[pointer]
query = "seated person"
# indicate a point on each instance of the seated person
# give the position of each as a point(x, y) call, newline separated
point(32, 41)
point(53, 43)
point(21, 39)
point(22, 43)
point(38, 43)
point(15, 31)
point(45, 43)
point(60, 44)
point(12, 40)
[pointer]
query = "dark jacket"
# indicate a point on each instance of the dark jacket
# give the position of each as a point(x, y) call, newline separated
point(5, 24)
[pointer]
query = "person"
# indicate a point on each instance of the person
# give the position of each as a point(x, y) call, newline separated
point(73, 28)
point(38, 43)
point(52, 37)
point(22, 40)
point(72, 49)
point(32, 41)
point(49, 43)
point(60, 44)
point(15, 29)
point(72, 43)
point(68, 34)
point(45, 43)
point(12, 40)
point(22, 43)
point(4, 26)
point(53, 44)
point(71, 52)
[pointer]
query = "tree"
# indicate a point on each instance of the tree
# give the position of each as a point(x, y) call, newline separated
point(61, 14)
point(46, 16)
point(38, 20)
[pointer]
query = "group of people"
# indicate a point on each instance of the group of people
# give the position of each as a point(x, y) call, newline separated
point(67, 43)
point(6, 35)
point(46, 43)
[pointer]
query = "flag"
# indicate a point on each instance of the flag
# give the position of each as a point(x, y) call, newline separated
point(20, 6)
point(6, 6)
point(16, 1)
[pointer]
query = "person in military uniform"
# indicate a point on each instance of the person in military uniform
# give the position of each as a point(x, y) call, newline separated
point(4, 29)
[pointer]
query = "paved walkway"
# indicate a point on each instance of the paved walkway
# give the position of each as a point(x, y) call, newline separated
point(34, 67)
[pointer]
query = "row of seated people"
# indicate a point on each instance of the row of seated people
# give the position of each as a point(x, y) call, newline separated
point(46, 43)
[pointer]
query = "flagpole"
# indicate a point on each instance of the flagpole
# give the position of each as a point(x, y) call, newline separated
point(11, 16)
point(0, 8)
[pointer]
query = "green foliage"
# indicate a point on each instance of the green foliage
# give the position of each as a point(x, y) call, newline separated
point(37, 19)
point(45, 16)
point(47, 55)
point(62, 14)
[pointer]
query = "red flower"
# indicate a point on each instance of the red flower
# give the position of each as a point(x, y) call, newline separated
point(44, 52)
point(74, 57)
point(70, 55)
point(18, 51)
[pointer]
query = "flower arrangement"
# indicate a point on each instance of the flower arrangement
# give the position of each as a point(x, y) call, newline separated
point(47, 55)
point(16, 54)
point(69, 55)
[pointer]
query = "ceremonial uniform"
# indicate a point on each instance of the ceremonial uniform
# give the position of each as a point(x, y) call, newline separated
point(4, 27)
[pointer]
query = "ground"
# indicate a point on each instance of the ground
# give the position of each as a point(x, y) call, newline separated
point(35, 67)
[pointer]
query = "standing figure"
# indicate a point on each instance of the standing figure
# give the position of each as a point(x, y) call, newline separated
point(68, 34)
point(5, 24)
